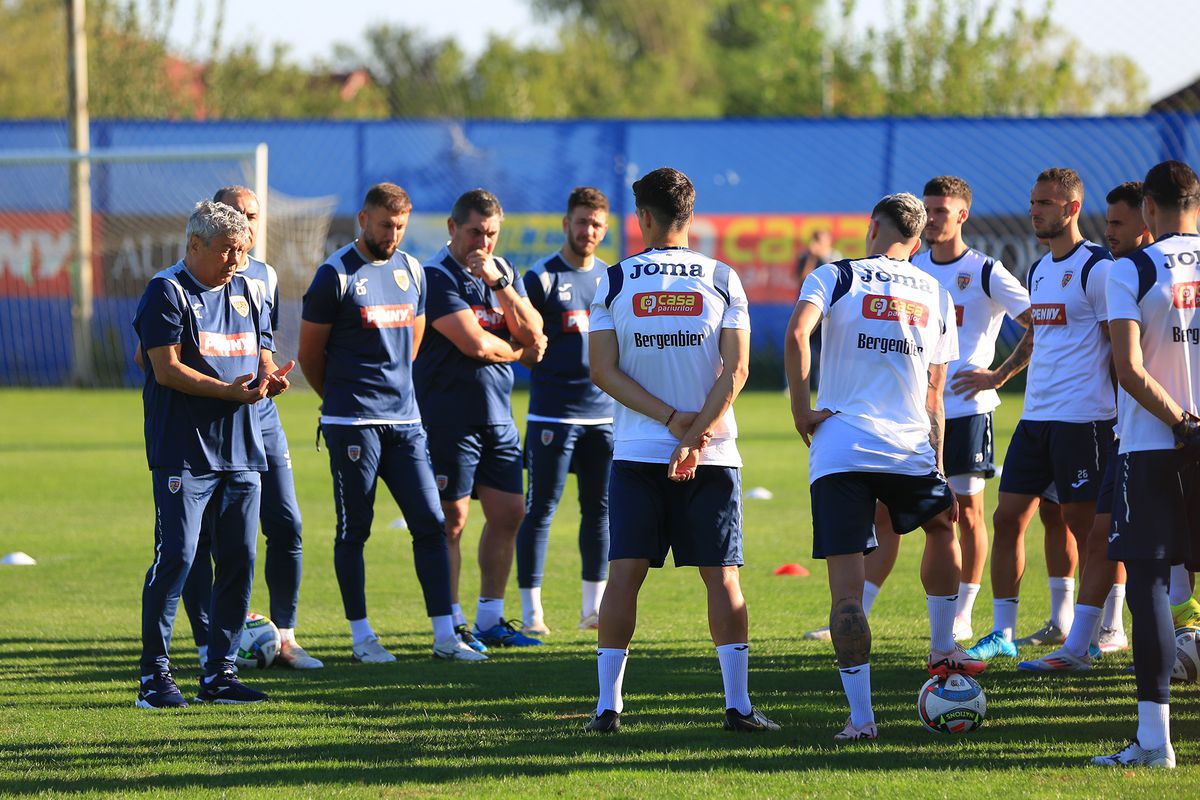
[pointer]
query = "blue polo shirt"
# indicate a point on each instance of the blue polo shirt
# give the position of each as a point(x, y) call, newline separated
point(561, 384)
point(453, 388)
point(221, 333)
point(372, 306)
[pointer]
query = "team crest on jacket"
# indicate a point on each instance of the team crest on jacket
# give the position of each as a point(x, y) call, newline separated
point(547, 437)
point(174, 484)
point(401, 276)
point(964, 280)
point(353, 452)
point(1067, 277)
point(240, 304)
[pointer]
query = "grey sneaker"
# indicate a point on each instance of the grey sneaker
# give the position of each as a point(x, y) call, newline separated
point(850, 733)
point(1113, 640)
point(1048, 634)
point(370, 651)
point(819, 634)
point(456, 650)
point(294, 656)
point(1134, 755)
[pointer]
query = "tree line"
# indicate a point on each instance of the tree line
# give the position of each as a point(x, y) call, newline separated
point(605, 58)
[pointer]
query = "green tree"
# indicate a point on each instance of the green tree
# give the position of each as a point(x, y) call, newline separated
point(33, 53)
point(418, 77)
point(941, 59)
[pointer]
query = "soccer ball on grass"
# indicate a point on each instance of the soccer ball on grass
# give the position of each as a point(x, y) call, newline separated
point(954, 704)
point(260, 643)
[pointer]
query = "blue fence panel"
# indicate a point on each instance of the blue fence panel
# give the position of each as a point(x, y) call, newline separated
point(744, 166)
point(767, 165)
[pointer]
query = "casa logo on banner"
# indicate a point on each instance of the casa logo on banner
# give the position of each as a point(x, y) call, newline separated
point(668, 304)
point(397, 316)
point(909, 312)
point(1183, 295)
point(1048, 313)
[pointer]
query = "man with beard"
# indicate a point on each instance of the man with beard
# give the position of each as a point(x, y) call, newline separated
point(362, 324)
point(480, 322)
point(569, 420)
point(1066, 428)
point(1097, 613)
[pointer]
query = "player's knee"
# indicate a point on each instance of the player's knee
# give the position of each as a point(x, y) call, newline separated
point(506, 518)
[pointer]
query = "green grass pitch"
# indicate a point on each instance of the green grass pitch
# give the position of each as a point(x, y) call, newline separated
point(75, 494)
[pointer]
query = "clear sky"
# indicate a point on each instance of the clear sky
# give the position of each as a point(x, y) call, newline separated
point(312, 27)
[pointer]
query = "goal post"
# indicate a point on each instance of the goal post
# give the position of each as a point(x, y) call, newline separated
point(140, 201)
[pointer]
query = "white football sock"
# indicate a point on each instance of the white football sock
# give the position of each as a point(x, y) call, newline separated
point(287, 635)
point(1113, 608)
point(610, 666)
point(941, 621)
point(593, 592)
point(870, 592)
point(443, 628)
point(360, 630)
point(1084, 630)
point(1004, 615)
point(1062, 602)
point(856, 681)
point(457, 613)
point(202, 650)
point(1154, 724)
point(531, 604)
point(735, 674)
point(1181, 585)
point(488, 612)
point(966, 600)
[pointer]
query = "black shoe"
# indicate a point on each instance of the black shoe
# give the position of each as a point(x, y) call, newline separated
point(754, 721)
point(608, 722)
point(226, 688)
point(160, 692)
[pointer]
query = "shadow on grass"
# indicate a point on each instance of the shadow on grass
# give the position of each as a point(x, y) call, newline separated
point(421, 721)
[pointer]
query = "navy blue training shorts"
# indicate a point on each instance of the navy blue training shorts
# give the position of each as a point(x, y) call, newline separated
point(466, 456)
point(1070, 455)
point(843, 507)
point(699, 521)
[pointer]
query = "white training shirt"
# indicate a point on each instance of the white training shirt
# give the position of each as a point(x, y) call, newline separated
point(1157, 287)
point(1068, 374)
point(983, 291)
point(668, 307)
point(885, 322)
